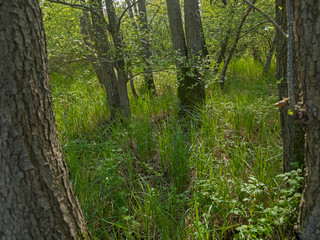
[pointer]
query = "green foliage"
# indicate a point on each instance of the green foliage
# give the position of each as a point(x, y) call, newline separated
point(216, 175)
point(279, 215)
point(221, 22)
point(64, 39)
point(212, 176)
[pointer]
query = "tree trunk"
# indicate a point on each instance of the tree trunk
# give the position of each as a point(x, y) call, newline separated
point(133, 89)
point(267, 64)
point(292, 133)
point(205, 50)
point(130, 74)
point(190, 89)
point(306, 15)
point(103, 51)
point(195, 41)
point(179, 45)
point(224, 43)
point(36, 196)
point(193, 28)
point(131, 14)
point(87, 36)
point(222, 52)
point(176, 29)
point(146, 53)
point(119, 58)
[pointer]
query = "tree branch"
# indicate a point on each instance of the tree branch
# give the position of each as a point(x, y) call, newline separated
point(267, 17)
point(124, 12)
point(158, 7)
point(248, 31)
point(73, 5)
point(77, 6)
point(153, 71)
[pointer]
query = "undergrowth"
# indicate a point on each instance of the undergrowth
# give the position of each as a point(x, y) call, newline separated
point(214, 176)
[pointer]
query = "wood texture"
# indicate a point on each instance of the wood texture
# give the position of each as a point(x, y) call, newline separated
point(36, 197)
point(306, 13)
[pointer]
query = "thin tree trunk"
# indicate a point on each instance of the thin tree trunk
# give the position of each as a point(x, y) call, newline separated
point(256, 54)
point(222, 52)
point(133, 89)
point(87, 35)
point(224, 43)
point(234, 46)
point(119, 58)
point(205, 50)
point(131, 14)
point(292, 133)
point(36, 196)
point(146, 53)
point(103, 51)
point(267, 64)
point(307, 35)
point(129, 71)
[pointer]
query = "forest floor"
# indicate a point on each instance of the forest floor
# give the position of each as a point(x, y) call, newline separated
point(214, 176)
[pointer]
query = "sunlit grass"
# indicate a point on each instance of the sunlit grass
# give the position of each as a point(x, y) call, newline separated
point(211, 176)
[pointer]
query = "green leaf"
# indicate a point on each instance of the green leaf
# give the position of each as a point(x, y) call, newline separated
point(295, 164)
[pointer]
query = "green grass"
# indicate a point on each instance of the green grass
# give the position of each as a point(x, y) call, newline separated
point(214, 176)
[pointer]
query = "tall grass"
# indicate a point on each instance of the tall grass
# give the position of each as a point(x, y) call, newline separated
point(214, 176)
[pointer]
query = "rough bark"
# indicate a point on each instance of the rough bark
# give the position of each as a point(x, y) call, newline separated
point(195, 46)
point(292, 133)
point(36, 196)
point(103, 50)
point(146, 53)
point(193, 28)
point(190, 86)
point(306, 15)
point(179, 45)
point(119, 58)
point(176, 28)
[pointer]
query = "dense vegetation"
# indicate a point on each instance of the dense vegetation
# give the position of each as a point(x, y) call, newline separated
point(159, 177)
point(216, 174)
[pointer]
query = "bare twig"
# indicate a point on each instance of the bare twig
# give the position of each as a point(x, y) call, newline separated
point(80, 60)
point(249, 31)
point(160, 70)
point(68, 62)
